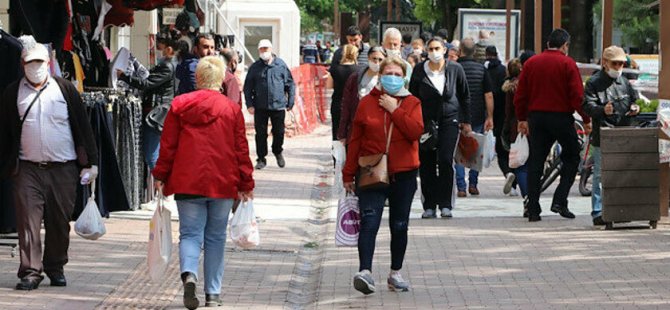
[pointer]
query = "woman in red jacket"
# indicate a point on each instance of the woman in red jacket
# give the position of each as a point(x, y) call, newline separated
point(204, 160)
point(387, 104)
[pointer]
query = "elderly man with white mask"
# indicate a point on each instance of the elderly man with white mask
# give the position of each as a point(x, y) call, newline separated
point(46, 146)
point(392, 43)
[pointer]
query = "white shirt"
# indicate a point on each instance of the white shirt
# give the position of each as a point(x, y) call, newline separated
point(437, 78)
point(367, 84)
point(46, 134)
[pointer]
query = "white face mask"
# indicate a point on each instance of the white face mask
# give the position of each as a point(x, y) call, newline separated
point(615, 74)
point(36, 72)
point(394, 53)
point(418, 51)
point(435, 57)
point(374, 67)
point(266, 56)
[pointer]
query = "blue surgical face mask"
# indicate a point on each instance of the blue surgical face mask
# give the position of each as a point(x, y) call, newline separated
point(392, 84)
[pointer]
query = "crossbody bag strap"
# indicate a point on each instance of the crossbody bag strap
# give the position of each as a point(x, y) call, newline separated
point(390, 132)
point(30, 106)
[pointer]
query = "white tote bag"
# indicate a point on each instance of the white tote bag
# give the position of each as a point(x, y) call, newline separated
point(348, 222)
point(160, 241)
point(90, 224)
point(244, 227)
point(518, 152)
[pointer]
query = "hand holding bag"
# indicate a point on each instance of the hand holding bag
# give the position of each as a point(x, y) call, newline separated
point(374, 172)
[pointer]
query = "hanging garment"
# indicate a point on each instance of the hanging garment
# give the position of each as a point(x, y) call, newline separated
point(78, 73)
point(120, 15)
point(148, 5)
point(47, 21)
point(127, 128)
point(110, 193)
point(106, 7)
point(10, 61)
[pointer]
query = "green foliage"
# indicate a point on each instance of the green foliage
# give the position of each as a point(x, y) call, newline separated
point(425, 11)
point(647, 107)
point(638, 23)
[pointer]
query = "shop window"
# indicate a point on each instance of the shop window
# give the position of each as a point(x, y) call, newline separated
point(253, 35)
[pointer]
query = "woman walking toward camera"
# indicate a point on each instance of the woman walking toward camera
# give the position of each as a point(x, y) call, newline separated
point(204, 161)
point(388, 121)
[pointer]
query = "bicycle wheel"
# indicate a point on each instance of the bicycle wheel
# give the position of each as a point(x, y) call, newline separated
point(551, 175)
point(585, 182)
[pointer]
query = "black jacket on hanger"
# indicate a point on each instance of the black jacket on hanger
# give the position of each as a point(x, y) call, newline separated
point(10, 59)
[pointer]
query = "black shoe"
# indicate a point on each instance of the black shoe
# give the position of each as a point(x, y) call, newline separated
point(57, 280)
point(191, 301)
point(280, 160)
point(28, 284)
point(261, 163)
point(212, 300)
point(534, 218)
point(598, 221)
point(562, 210)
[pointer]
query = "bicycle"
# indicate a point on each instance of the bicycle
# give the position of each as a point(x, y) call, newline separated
point(553, 163)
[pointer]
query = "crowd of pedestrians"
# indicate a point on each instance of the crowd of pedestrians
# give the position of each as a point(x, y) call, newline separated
point(407, 102)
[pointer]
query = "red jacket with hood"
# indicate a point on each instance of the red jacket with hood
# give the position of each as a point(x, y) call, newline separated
point(203, 148)
point(369, 138)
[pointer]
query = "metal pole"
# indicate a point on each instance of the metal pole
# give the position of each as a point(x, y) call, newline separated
point(508, 33)
point(557, 14)
point(608, 15)
point(538, 26)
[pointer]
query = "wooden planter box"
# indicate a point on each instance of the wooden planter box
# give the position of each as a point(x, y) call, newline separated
point(630, 175)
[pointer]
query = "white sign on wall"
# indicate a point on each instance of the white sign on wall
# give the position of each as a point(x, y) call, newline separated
point(472, 21)
point(170, 16)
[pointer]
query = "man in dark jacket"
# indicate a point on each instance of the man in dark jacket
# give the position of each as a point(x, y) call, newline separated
point(481, 108)
point(269, 92)
point(610, 101)
point(186, 69)
point(46, 146)
point(550, 90)
point(498, 73)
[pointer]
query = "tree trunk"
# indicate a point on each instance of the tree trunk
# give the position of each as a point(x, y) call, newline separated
point(580, 26)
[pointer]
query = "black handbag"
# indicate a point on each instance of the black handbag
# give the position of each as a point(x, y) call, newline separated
point(428, 141)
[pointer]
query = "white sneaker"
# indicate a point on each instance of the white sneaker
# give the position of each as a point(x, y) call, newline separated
point(509, 180)
point(364, 283)
point(396, 282)
point(514, 193)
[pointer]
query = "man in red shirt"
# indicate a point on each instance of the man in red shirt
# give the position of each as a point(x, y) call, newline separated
point(550, 91)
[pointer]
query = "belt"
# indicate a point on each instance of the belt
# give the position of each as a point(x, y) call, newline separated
point(48, 164)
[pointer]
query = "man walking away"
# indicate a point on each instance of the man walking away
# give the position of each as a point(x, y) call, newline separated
point(354, 37)
point(610, 100)
point(186, 69)
point(46, 145)
point(482, 44)
point(549, 92)
point(481, 107)
point(498, 73)
point(269, 92)
point(310, 53)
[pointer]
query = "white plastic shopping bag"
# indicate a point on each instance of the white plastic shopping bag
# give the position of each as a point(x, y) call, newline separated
point(518, 152)
point(489, 152)
point(476, 161)
point(90, 224)
point(340, 155)
point(160, 241)
point(244, 227)
point(348, 222)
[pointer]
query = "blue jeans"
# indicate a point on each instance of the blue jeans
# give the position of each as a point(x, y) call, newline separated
point(150, 145)
point(371, 203)
point(203, 220)
point(460, 170)
point(521, 174)
point(596, 198)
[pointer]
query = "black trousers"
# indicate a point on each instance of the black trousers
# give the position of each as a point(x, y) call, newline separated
point(503, 158)
point(335, 115)
point(261, 118)
point(437, 169)
point(545, 129)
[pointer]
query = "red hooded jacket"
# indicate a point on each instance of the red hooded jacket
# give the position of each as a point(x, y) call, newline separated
point(203, 148)
point(369, 138)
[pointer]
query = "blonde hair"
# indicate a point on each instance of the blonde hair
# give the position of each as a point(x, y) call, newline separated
point(350, 53)
point(210, 72)
point(393, 60)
